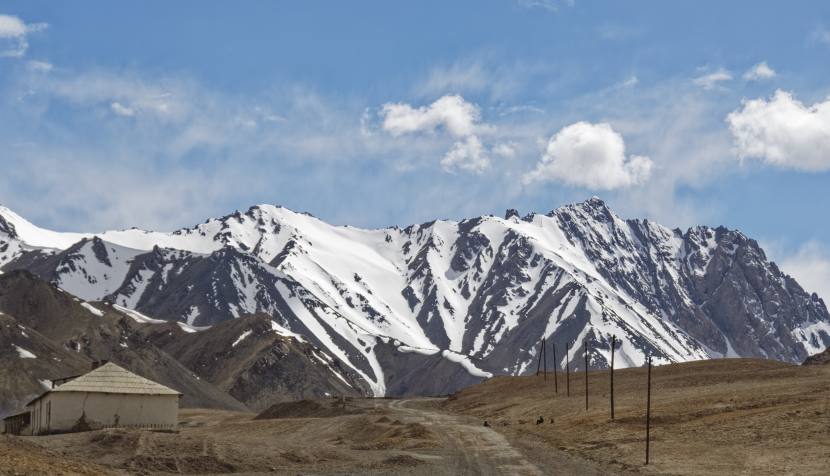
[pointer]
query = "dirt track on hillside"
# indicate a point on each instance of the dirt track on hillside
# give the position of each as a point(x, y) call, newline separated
point(733, 416)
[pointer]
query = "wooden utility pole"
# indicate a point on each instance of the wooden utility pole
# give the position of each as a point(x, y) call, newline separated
point(567, 368)
point(555, 366)
point(648, 409)
point(539, 364)
point(586, 374)
point(545, 354)
point(613, 347)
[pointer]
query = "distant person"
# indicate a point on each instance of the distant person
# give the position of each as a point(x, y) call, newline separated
point(540, 420)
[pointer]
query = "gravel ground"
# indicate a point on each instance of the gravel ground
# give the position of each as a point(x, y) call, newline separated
point(381, 437)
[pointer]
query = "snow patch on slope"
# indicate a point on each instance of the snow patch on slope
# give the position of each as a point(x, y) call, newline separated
point(92, 309)
point(24, 354)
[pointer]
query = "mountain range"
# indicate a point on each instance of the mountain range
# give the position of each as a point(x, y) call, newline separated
point(434, 307)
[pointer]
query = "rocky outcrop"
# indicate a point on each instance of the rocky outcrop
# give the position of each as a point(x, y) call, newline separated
point(260, 363)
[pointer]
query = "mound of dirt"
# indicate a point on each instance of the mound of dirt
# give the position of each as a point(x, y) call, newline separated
point(383, 420)
point(418, 431)
point(305, 409)
point(397, 422)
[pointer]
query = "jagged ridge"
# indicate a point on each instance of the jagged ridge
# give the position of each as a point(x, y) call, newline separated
point(482, 292)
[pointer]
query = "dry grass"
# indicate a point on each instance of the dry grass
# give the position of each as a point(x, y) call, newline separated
point(734, 416)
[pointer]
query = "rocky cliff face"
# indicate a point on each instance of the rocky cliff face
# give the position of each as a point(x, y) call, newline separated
point(475, 296)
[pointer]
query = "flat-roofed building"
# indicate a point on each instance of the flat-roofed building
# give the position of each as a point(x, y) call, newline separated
point(107, 397)
point(17, 424)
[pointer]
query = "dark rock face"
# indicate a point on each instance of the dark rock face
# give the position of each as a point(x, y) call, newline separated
point(261, 366)
point(411, 374)
point(28, 361)
point(822, 358)
point(95, 334)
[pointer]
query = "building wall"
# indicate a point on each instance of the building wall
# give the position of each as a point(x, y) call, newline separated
point(84, 411)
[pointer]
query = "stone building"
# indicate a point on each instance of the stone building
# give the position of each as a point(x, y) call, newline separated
point(106, 397)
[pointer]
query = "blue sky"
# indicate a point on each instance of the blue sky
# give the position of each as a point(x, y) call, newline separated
point(162, 114)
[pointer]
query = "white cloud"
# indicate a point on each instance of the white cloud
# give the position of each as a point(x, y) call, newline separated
point(14, 31)
point(783, 132)
point(121, 110)
point(759, 72)
point(591, 156)
point(711, 80)
point(456, 115)
point(810, 266)
point(469, 155)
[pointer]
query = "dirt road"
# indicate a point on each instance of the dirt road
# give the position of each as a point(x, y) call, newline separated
point(470, 448)
point(409, 436)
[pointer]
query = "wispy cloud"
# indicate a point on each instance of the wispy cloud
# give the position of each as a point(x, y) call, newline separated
point(710, 81)
point(810, 266)
point(13, 32)
point(39, 66)
point(820, 35)
point(121, 110)
point(549, 5)
point(470, 75)
point(759, 72)
point(468, 154)
point(619, 32)
point(526, 107)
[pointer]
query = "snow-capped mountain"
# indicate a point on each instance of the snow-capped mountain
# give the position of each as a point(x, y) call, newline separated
point(478, 293)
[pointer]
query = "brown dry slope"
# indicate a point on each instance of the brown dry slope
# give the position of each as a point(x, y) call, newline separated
point(734, 416)
point(259, 366)
point(28, 361)
point(19, 457)
point(95, 333)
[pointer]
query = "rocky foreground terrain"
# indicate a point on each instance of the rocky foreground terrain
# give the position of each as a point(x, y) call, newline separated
point(460, 300)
